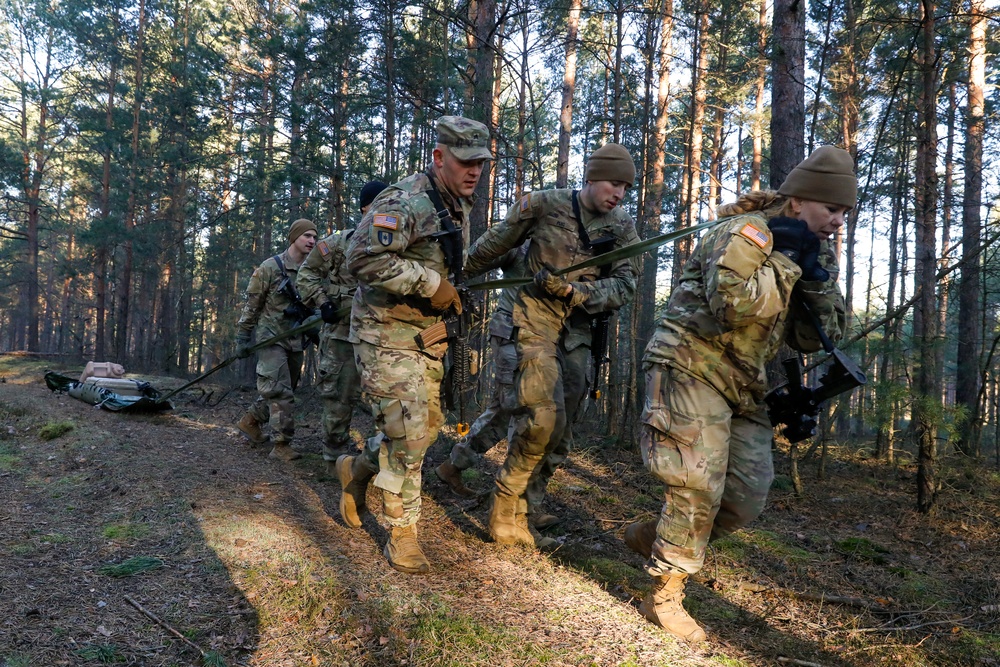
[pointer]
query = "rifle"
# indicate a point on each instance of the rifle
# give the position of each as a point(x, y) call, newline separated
point(601, 323)
point(296, 311)
point(454, 327)
point(797, 405)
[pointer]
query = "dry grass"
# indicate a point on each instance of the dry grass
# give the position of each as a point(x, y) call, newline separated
point(258, 567)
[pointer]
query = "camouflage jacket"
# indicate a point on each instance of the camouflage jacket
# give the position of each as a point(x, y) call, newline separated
point(731, 310)
point(576, 331)
point(265, 303)
point(547, 219)
point(399, 265)
point(324, 277)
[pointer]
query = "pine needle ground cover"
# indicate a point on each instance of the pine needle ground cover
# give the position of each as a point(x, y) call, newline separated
point(244, 561)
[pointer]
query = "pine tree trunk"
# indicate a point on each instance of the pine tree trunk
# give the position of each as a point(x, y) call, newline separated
point(787, 89)
point(969, 305)
point(568, 88)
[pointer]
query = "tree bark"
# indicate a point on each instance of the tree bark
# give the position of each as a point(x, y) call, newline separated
point(969, 305)
point(568, 88)
point(787, 89)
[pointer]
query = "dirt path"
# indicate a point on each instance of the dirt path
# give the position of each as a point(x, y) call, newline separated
point(256, 568)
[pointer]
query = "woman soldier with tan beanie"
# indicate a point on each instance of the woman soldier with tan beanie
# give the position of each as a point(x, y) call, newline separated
point(706, 434)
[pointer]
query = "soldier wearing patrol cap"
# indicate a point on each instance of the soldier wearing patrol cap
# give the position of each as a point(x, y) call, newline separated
point(565, 227)
point(280, 365)
point(404, 288)
point(325, 283)
point(706, 435)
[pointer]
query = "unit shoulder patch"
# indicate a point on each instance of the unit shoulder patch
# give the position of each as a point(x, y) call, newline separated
point(525, 202)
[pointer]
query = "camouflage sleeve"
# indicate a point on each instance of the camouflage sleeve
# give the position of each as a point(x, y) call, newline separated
point(618, 288)
point(825, 301)
point(256, 296)
point(500, 239)
point(313, 274)
point(375, 255)
point(744, 280)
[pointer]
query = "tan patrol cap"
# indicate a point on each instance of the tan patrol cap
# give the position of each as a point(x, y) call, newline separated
point(466, 138)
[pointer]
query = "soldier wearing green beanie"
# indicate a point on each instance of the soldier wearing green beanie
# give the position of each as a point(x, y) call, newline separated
point(280, 365)
point(706, 435)
point(564, 227)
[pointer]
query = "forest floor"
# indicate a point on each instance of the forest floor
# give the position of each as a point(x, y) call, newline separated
point(249, 562)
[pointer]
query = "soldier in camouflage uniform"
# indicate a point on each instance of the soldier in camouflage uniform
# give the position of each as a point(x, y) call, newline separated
point(706, 434)
point(280, 365)
point(491, 427)
point(325, 283)
point(561, 224)
point(401, 266)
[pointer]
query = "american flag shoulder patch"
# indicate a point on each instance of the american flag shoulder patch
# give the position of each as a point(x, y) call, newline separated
point(526, 202)
point(386, 221)
point(324, 249)
point(755, 235)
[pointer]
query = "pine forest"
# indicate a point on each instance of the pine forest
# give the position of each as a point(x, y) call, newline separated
point(153, 152)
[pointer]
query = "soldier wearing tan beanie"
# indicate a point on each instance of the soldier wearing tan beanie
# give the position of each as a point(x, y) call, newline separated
point(704, 365)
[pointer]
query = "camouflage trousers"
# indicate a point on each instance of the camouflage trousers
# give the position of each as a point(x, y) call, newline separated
point(278, 372)
point(716, 467)
point(340, 390)
point(576, 383)
point(491, 426)
point(540, 417)
point(404, 390)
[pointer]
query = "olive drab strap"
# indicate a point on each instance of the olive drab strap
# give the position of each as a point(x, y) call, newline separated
point(450, 236)
point(459, 373)
point(584, 236)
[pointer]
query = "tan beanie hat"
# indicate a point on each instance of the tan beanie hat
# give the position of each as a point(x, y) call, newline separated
point(610, 162)
point(300, 227)
point(827, 175)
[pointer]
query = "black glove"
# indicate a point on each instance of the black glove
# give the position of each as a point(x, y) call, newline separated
point(328, 311)
point(809, 261)
point(243, 345)
point(789, 236)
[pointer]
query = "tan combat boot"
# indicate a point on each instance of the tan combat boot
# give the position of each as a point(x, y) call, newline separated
point(403, 551)
point(251, 428)
point(283, 452)
point(640, 537)
point(506, 525)
point(451, 475)
point(354, 485)
point(663, 607)
point(543, 521)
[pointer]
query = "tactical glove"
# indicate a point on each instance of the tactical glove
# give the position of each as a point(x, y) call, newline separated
point(809, 261)
point(552, 284)
point(243, 345)
point(789, 236)
point(328, 311)
point(445, 297)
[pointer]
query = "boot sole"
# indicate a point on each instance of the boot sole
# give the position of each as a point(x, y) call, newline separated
point(422, 569)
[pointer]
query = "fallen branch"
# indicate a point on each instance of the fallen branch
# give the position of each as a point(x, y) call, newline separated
point(812, 597)
point(156, 619)
point(916, 626)
point(793, 661)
